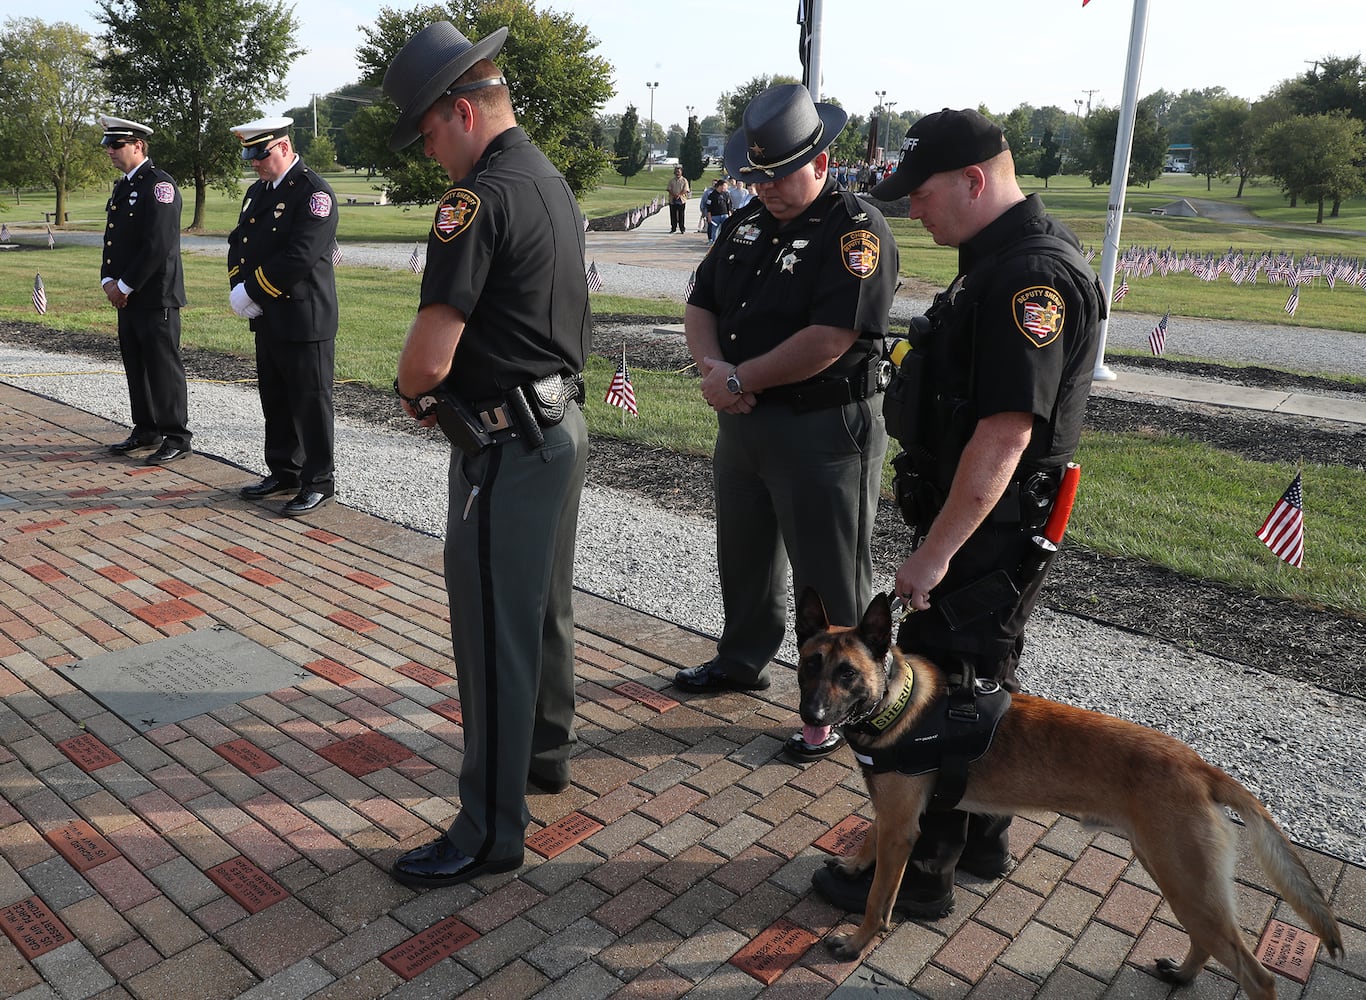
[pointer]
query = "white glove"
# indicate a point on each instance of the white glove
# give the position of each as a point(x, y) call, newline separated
point(242, 303)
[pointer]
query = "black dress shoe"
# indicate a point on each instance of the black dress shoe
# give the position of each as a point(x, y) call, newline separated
point(852, 895)
point(305, 503)
point(440, 863)
point(711, 676)
point(267, 487)
point(134, 443)
point(167, 453)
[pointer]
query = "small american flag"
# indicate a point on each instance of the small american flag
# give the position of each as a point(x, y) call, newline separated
point(4, 233)
point(596, 284)
point(1090, 254)
point(687, 289)
point(1293, 303)
point(1157, 340)
point(1123, 288)
point(39, 295)
point(51, 243)
point(1283, 530)
point(621, 393)
point(415, 261)
point(336, 253)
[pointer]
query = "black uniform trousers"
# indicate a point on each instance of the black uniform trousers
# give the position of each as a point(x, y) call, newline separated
point(149, 340)
point(991, 647)
point(798, 488)
point(509, 560)
point(295, 381)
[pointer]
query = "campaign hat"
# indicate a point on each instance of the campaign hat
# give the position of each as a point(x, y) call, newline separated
point(425, 68)
point(945, 140)
point(257, 136)
point(121, 130)
point(782, 131)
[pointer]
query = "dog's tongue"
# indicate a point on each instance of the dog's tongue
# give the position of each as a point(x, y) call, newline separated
point(814, 736)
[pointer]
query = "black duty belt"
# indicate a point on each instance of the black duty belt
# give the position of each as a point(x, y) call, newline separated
point(806, 396)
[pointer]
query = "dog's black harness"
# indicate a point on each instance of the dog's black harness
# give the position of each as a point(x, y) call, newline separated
point(952, 733)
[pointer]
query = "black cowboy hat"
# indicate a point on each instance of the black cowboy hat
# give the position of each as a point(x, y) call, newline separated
point(783, 130)
point(426, 67)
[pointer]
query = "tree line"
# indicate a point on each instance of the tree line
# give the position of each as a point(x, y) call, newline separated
point(192, 69)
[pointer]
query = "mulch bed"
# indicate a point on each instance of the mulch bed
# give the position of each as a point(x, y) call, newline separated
point(1318, 645)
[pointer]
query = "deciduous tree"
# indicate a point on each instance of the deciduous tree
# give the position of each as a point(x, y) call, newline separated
point(1317, 157)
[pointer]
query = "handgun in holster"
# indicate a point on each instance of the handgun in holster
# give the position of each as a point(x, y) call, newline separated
point(457, 421)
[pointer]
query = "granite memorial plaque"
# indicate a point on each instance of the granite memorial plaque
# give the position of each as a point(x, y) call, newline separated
point(177, 678)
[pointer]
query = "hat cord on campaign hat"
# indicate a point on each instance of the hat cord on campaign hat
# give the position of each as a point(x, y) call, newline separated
point(779, 164)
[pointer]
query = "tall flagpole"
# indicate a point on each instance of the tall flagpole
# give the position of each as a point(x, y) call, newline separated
point(1119, 176)
point(813, 57)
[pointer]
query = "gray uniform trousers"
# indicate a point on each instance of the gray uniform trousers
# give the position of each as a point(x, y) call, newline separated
point(509, 575)
point(800, 488)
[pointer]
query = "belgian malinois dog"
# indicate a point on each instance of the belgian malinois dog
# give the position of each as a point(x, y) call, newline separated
point(1144, 785)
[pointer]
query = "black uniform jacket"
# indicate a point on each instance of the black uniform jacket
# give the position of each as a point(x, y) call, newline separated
point(282, 251)
point(142, 239)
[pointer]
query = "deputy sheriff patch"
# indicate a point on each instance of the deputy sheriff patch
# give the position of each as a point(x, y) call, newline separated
point(164, 192)
point(320, 204)
point(1039, 312)
point(454, 213)
point(860, 251)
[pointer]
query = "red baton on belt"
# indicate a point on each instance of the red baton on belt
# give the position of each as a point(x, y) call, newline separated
point(1062, 504)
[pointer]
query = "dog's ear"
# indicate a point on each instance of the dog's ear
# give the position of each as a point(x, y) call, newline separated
point(811, 616)
point(876, 627)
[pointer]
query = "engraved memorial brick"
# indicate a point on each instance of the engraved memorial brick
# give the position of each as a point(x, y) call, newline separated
point(81, 845)
point(116, 574)
point(648, 697)
point(319, 535)
point(243, 553)
point(772, 953)
point(450, 709)
point(421, 951)
point(559, 837)
point(44, 572)
point(88, 752)
point(845, 838)
point(333, 671)
point(366, 753)
point(424, 675)
point(1288, 950)
point(368, 580)
point(34, 929)
point(167, 612)
point(177, 588)
point(260, 576)
point(248, 885)
point(246, 755)
point(351, 620)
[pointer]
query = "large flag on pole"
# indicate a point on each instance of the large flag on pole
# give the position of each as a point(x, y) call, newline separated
point(1283, 530)
point(39, 295)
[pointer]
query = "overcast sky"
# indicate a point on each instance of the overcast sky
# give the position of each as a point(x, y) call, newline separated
point(1000, 53)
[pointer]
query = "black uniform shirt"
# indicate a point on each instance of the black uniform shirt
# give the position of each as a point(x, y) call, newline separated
point(142, 238)
point(507, 249)
point(282, 251)
point(1035, 322)
point(834, 265)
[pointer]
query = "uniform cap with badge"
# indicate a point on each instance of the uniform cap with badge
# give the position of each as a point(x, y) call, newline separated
point(256, 137)
point(782, 131)
point(120, 131)
point(426, 67)
point(945, 140)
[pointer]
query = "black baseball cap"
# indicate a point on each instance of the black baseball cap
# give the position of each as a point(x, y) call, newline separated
point(945, 140)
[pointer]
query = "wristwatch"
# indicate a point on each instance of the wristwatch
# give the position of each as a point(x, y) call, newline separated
point(733, 382)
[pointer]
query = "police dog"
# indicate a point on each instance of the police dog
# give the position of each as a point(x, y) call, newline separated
point(1145, 785)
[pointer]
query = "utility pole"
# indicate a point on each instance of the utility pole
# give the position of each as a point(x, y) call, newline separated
point(1088, 94)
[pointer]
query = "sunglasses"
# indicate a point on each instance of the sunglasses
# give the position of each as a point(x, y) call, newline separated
point(119, 143)
point(258, 152)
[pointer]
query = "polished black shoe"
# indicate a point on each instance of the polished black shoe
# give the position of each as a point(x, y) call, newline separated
point(134, 443)
point(988, 868)
point(813, 743)
point(711, 676)
point(167, 453)
point(852, 895)
point(305, 503)
point(441, 863)
point(267, 487)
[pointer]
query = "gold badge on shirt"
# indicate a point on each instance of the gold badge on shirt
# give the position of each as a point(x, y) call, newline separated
point(1039, 312)
point(454, 213)
point(860, 251)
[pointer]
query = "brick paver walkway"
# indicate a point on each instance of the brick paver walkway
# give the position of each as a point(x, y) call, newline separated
point(244, 852)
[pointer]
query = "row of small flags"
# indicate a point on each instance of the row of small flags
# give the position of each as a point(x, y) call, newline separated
point(4, 236)
point(635, 216)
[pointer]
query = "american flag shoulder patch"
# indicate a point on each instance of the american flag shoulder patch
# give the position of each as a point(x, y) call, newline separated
point(860, 251)
point(1039, 312)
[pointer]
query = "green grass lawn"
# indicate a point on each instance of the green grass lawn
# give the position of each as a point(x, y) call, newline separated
point(1175, 503)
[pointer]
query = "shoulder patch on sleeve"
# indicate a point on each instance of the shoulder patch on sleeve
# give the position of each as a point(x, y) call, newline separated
point(860, 251)
point(164, 192)
point(454, 213)
point(320, 204)
point(1039, 312)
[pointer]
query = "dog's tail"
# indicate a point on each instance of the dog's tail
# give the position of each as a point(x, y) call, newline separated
point(1281, 862)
